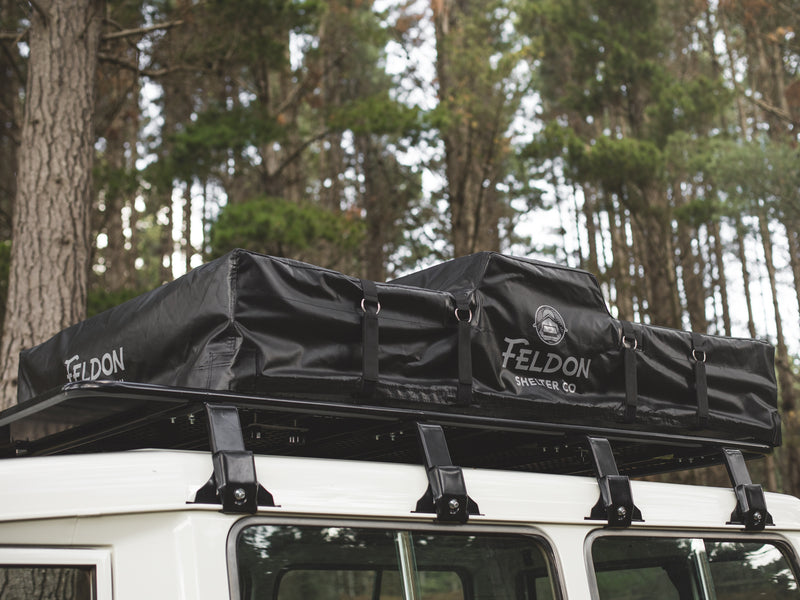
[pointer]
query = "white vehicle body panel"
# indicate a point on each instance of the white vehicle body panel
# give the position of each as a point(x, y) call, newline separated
point(131, 513)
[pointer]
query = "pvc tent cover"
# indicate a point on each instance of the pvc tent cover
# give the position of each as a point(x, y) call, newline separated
point(485, 334)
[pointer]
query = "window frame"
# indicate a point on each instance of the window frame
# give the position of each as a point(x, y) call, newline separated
point(530, 532)
point(780, 542)
point(98, 558)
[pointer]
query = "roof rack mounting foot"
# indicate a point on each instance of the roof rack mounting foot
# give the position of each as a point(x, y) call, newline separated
point(447, 493)
point(615, 504)
point(233, 482)
point(751, 505)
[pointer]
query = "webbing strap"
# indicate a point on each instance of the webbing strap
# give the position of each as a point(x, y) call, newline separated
point(369, 338)
point(464, 317)
point(699, 349)
point(629, 347)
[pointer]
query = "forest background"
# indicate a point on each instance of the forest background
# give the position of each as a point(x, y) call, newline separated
point(654, 144)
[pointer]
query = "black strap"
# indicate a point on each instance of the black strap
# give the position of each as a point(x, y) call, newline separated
point(629, 346)
point(464, 317)
point(369, 338)
point(699, 355)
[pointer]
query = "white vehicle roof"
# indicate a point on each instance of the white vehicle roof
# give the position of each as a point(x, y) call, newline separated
point(151, 481)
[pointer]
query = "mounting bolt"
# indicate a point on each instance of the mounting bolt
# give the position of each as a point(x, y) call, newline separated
point(757, 517)
point(239, 495)
point(453, 505)
point(622, 512)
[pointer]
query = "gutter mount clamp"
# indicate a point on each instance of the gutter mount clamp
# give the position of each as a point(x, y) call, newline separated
point(751, 505)
point(233, 482)
point(615, 504)
point(447, 493)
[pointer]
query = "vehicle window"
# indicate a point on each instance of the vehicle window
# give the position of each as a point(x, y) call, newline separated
point(46, 583)
point(661, 568)
point(353, 563)
point(750, 570)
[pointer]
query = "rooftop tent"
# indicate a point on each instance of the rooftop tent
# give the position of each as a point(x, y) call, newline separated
point(541, 333)
point(486, 335)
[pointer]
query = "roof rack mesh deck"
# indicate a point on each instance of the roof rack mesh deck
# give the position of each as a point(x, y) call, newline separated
point(114, 416)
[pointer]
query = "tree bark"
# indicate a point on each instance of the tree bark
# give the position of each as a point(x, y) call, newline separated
point(473, 131)
point(721, 280)
point(51, 247)
point(655, 250)
point(620, 270)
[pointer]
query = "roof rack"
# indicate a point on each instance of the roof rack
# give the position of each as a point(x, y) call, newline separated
point(112, 416)
point(109, 416)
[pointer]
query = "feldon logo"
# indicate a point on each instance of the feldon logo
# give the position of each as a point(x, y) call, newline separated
point(521, 356)
point(549, 325)
point(110, 363)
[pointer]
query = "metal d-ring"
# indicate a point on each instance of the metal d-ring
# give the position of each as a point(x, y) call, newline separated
point(695, 353)
point(364, 308)
point(627, 344)
point(459, 319)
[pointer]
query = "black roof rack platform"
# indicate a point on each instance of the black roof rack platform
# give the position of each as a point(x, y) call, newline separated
point(110, 416)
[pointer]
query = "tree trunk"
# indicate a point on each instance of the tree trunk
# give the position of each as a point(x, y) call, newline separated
point(720, 280)
point(620, 270)
point(51, 247)
point(653, 232)
point(793, 236)
point(740, 234)
point(473, 132)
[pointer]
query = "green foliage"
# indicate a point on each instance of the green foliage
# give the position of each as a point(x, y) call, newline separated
point(204, 144)
point(113, 181)
point(99, 300)
point(757, 174)
point(282, 228)
point(376, 114)
point(618, 163)
point(686, 105)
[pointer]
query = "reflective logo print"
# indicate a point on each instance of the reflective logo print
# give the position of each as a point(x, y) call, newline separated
point(549, 325)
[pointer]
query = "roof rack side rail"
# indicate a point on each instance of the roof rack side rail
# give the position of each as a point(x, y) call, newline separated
point(751, 505)
point(447, 493)
point(233, 483)
point(615, 504)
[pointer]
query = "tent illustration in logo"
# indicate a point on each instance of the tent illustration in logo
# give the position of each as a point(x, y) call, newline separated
point(549, 325)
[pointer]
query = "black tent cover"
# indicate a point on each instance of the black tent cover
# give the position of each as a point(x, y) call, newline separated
point(484, 334)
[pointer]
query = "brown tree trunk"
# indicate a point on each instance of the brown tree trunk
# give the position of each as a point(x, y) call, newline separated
point(782, 360)
point(740, 235)
point(793, 236)
point(473, 135)
point(591, 263)
point(620, 270)
point(51, 247)
point(653, 232)
point(720, 280)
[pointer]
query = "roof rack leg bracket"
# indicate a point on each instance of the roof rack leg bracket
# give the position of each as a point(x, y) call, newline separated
point(751, 505)
point(447, 493)
point(615, 504)
point(234, 483)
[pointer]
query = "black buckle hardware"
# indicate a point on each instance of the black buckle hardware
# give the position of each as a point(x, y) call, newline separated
point(751, 505)
point(447, 493)
point(615, 504)
point(233, 483)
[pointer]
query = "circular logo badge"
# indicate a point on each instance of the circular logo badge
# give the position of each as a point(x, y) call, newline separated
point(549, 325)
